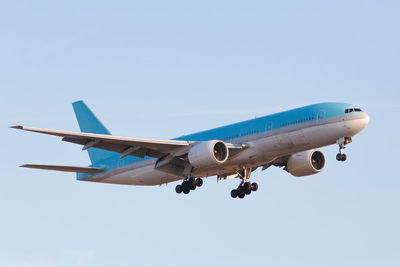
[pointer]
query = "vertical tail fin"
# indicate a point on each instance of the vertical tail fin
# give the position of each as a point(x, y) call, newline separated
point(89, 123)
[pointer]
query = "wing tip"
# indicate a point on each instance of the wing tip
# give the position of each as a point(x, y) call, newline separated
point(20, 127)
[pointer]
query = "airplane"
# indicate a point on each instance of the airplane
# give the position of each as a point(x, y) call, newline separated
point(288, 139)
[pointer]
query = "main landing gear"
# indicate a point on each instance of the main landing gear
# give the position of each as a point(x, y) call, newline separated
point(342, 145)
point(188, 185)
point(245, 187)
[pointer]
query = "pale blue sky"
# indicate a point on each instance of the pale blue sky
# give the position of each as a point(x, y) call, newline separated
point(166, 68)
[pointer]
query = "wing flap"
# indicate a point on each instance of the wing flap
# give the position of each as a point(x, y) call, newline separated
point(138, 151)
point(64, 168)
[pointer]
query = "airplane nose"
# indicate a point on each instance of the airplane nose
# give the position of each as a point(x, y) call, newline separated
point(361, 122)
point(357, 124)
point(364, 120)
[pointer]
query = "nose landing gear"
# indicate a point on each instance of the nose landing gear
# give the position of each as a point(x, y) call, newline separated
point(188, 185)
point(341, 157)
point(342, 142)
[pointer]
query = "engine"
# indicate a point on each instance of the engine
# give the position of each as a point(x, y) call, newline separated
point(306, 163)
point(208, 153)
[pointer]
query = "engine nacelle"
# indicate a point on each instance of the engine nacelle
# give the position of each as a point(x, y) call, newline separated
point(306, 163)
point(208, 153)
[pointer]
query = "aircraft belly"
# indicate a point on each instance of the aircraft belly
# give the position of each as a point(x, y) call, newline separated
point(145, 175)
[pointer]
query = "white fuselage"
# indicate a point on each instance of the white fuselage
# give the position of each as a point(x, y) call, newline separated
point(263, 148)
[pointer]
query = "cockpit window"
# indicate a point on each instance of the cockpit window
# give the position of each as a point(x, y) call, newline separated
point(350, 110)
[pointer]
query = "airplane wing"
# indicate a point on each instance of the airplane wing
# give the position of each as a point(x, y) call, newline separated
point(139, 147)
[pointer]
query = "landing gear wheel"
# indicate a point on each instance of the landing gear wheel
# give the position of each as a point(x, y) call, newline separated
point(186, 191)
point(254, 187)
point(199, 182)
point(192, 182)
point(178, 189)
point(341, 157)
point(234, 193)
point(185, 187)
point(193, 187)
point(247, 186)
point(240, 190)
point(241, 195)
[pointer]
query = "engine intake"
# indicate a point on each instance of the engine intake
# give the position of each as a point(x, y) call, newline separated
point(306, 163)
point(208, 153)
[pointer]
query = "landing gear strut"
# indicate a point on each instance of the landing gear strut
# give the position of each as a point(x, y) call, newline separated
point(188, 185)
point(245, 187)
point(342, 145)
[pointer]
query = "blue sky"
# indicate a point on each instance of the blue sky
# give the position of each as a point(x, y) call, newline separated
point(162, 69)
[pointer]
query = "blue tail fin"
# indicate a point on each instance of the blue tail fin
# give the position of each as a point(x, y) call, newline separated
point(89, 123)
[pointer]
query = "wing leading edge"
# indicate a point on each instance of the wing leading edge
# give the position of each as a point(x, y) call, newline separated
point(138, 147)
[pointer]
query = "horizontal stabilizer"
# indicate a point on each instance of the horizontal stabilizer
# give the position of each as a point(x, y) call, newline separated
point(120, 144)
point(64, 168)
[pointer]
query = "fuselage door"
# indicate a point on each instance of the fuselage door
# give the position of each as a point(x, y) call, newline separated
point(268, 127)
point(321, 115)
